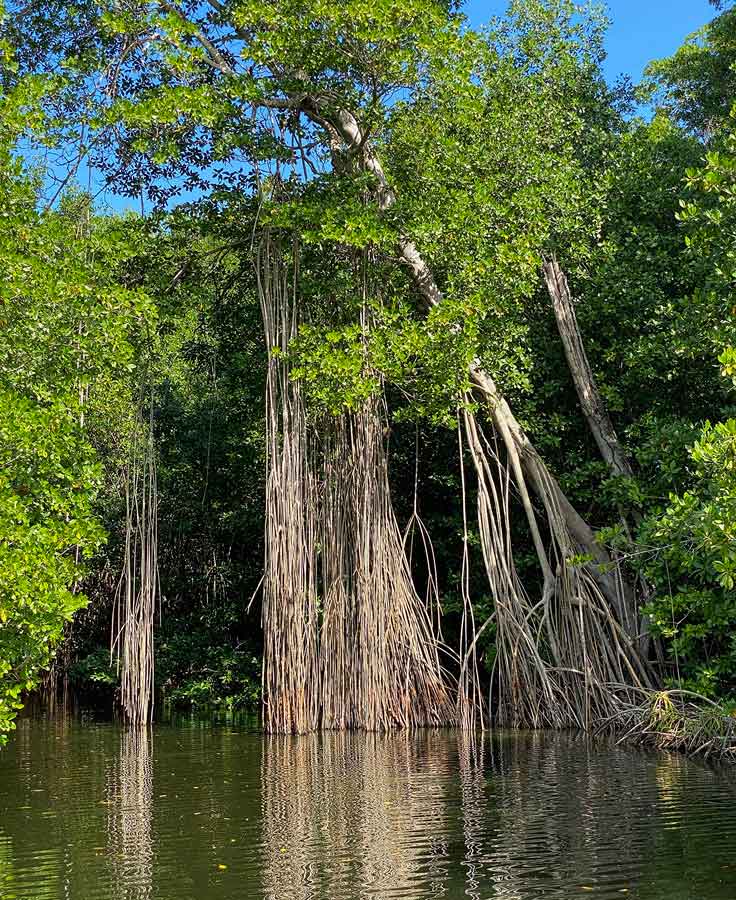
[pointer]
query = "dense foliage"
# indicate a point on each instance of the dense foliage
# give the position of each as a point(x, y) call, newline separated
point(503, 147)
point(65, 324)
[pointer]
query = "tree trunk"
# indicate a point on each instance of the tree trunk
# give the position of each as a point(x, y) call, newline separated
point(598, 419)
point(603, 569)
point(591, 401)
point(342, 124)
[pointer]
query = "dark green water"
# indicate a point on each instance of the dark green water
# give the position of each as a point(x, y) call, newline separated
point(196, 812)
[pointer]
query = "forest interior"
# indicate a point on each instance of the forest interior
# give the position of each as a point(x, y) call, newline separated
point(396, 386)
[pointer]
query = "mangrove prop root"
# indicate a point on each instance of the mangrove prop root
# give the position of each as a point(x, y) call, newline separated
point(138, 588)
point(559, 654)
point(291, 672)
point(348, 643)
point(379, 655)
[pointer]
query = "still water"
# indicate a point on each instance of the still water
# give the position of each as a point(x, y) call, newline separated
point(198, 811)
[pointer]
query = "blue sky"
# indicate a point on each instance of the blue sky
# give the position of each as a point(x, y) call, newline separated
point(641, 30)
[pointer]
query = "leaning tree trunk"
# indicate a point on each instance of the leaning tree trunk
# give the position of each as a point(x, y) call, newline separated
point(591, 402)
point(527, 463)
point(519, 445)
point(600, 425)
point(584, 604)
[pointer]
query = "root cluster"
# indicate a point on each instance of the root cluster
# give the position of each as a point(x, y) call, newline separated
point(349, 644)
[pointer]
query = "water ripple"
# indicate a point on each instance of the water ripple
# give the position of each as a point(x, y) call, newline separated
point(221, 813)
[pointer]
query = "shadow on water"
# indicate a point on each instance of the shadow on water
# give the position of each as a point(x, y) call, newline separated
point(188, 810)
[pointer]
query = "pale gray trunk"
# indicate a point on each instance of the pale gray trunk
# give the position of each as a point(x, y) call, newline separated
point(593, 406)
point(503, 418)
point(596, 415)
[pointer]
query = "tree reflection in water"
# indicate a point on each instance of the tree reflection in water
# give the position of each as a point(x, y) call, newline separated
point(362, 815)
point(438, 813)
point(130, 816)
point(514, 816)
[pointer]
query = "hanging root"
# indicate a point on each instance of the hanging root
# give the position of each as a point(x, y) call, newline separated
point(527, 689)
point(291, 675)
point(364, 654)
point(138, 588)
point(559, 654)
point(349, 643)
point(380, 657)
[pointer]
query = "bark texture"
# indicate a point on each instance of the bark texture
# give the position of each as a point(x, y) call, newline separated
point(591, 402)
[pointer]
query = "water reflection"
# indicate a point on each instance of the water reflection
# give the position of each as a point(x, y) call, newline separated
point(366, 811)
point(520, 816)
point(473, 804)
point(129, 795)
point(223, 813)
